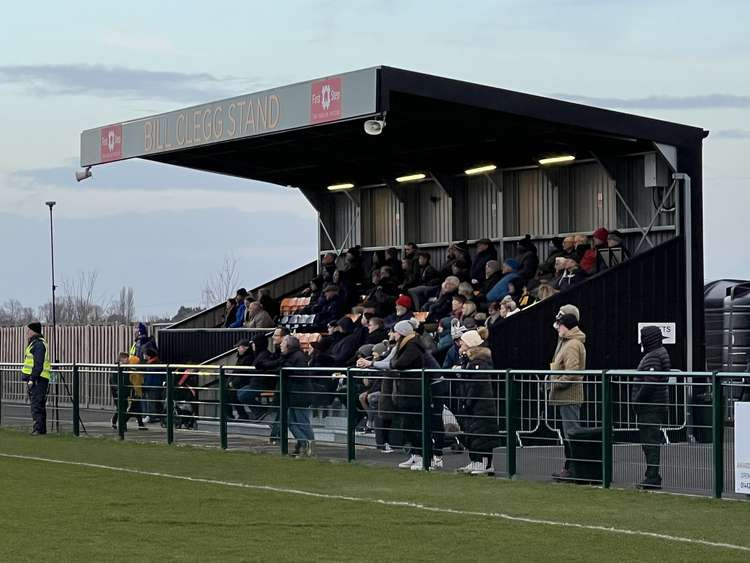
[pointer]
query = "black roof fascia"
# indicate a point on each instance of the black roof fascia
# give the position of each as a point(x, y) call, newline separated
point(532, 106)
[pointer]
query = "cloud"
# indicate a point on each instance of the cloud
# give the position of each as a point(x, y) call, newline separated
point(23, 196)
point(706, 101)
point(120, 39)
point(133, 83)
point(731, 134)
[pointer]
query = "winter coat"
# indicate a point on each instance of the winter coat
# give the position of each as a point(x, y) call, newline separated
point(38, 351)
point(500, 289)
point(529, 262)
point(344, 350)
point(428, 275)
point(407, 388)
point(270, 305)
point(327, 310)
point(239, 317)
point(241, 378)
point(300, 387)
point(441, 308)
point(261, 319)
point(376, 336)
point(262, 362)
point(230, 317)
point(477, 404)
point(391, 320)
point(656, 359)
point(489, 283)
point(452, 357)
point(570, 356)
point(153, 379)
point(480, 261)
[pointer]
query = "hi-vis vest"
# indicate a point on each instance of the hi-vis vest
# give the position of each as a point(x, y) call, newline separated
point(28, 361)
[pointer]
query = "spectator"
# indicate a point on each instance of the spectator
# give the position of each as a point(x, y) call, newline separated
point(545, 291)
point(508, 308)
point(153, 382)
point(327, 267)
point(466, 290)
point(492, 276)
point(239, 316)
point(403, 312)
point(381, 400)
point(240, 380)
point(526, 299)
point(257, 317)
point(555, 249)
point(133, 391)
point(468, 310)
point(330, 306)
point(442, 305)
point(409, 355)
point(528, 258)
point(570, 276)
point(230, 312)
point(270, 305)
point(452, 357)
point(486, 252)
point(444, 332)
point(314, 291)
point(250, 389)
point(614, 241)
point(411, 277)
point(355, 272)
point(510, 273)
point(566, 391)
point(514, 288)
point(141, 342)
point(460, 269)
point(569, 246)
point(428, 275)
point(392, 260)
point(300, 397)
point(568, 310)
point(477, 413)
point(370, 396)
point(456, 251)
point(650, 397)
point(376, 331)
point(344, 349)
point(582, 245)
point(590, 262)
point(411, 252)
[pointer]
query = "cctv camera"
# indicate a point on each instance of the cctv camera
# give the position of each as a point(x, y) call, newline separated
point(374, 126)
point(83, 174)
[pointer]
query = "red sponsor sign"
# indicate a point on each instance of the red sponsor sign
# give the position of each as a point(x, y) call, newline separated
point(325, 100)
point(111, 143)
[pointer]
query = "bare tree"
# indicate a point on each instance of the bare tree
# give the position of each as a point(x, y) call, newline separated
point(222, 284)
point(122, 308)
point(12, 313)
point(78, 300)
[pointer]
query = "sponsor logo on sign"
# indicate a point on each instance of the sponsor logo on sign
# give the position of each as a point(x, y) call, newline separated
point(111, 143)
point(325, 100)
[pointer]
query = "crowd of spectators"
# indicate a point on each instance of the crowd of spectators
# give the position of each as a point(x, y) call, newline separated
point(397, 311)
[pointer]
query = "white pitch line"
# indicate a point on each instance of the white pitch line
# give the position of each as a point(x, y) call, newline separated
point(396, 503)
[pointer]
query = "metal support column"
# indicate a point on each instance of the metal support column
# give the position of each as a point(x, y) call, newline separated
point(76, 402)
point(426, 421)
point(717, 425)
point(222, 408)
point(283, 412)
point(606, 430)
point(510, 425)
point(170, 406)
point(351, 416)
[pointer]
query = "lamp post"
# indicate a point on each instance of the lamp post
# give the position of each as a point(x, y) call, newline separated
point(53, 339)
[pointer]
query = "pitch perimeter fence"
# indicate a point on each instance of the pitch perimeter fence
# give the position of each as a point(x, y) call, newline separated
point(505, 422)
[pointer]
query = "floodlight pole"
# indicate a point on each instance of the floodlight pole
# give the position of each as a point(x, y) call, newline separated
point(53, 339)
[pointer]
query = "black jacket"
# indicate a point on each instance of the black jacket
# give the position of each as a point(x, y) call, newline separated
point(477, 412)
point(529, 261)
point(407, 387)
point(428, 275)
point(480, 261)
point(441, 308)
point(653, 389)
point(240, 379)
point(300, 387)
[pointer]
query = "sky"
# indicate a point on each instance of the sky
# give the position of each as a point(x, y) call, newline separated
point(163, 230)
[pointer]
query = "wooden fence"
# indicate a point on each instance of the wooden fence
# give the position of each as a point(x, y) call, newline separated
point(93, 344)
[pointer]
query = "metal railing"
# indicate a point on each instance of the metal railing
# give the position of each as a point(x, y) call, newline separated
point(612, 429)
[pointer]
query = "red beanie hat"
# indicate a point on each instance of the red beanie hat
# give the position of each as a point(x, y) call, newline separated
point(404, 301)
point(601, 234)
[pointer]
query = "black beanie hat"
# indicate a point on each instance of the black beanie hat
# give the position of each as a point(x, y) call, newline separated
point(36, 326)
point(651, 337)
point(568, 321)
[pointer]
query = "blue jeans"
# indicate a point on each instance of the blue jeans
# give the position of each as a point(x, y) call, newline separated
point(300, 424)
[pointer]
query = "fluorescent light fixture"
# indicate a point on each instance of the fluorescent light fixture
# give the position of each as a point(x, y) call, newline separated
point(339, 187)
point(411, 178)
point(557, 159)
point(480, 169)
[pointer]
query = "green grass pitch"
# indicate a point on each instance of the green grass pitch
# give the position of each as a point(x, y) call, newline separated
point(62, 512)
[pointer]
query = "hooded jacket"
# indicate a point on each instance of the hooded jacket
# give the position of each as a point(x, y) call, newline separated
point(477, 411)
point(656, 358)
point(570, 356)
